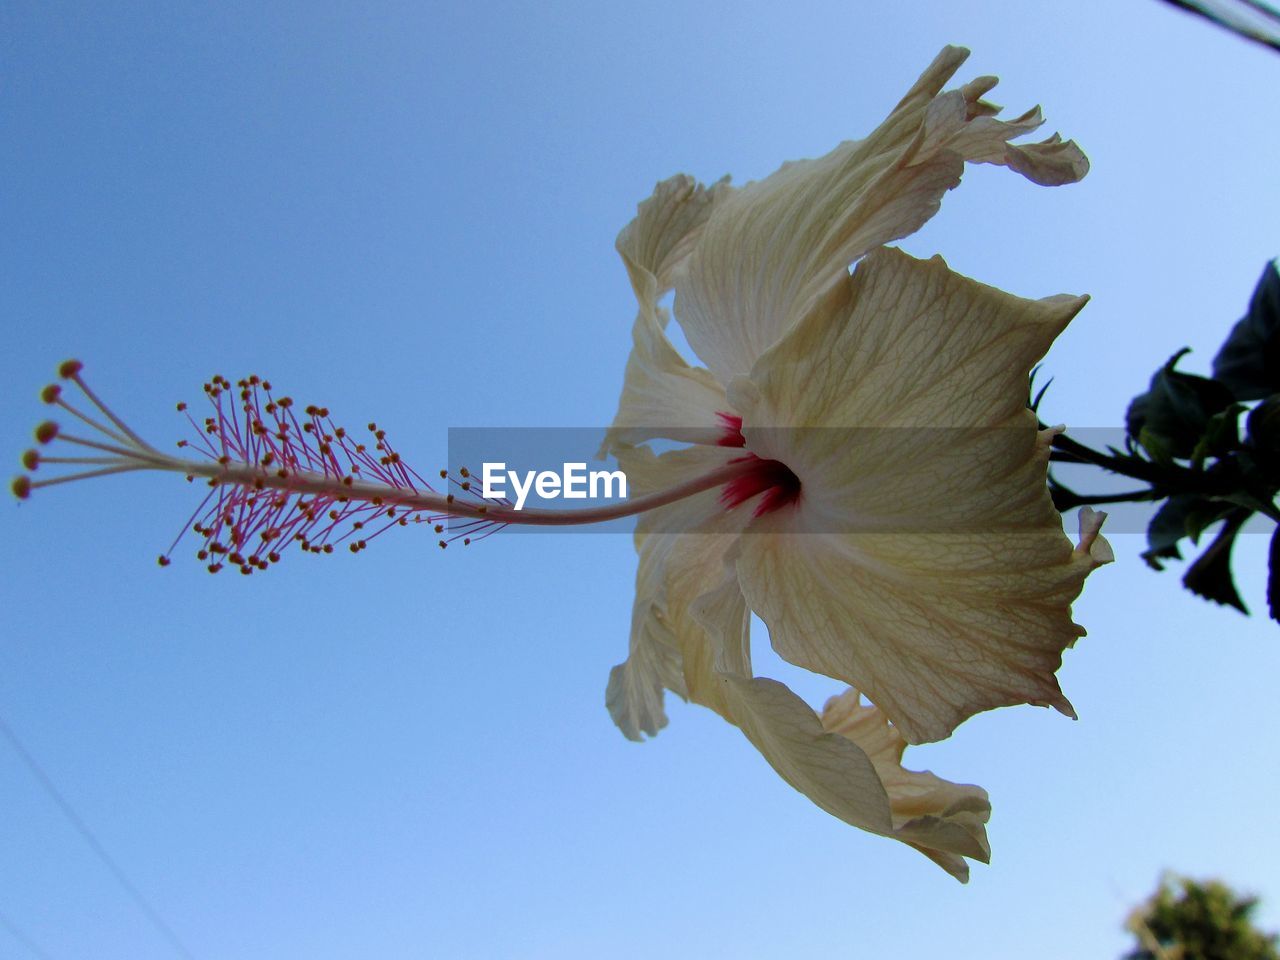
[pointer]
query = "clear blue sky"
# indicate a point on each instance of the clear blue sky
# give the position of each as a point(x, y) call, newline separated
point(406, 211)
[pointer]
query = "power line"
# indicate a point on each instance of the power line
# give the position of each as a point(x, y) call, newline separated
point(1251, 19)
point(22, 938)
point(94, 843)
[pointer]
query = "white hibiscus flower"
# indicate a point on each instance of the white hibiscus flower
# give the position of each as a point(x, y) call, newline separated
point(892, 524)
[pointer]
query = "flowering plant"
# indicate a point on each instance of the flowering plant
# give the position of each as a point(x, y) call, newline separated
point(860, 468)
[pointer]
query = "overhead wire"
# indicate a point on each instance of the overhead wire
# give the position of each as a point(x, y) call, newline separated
point(1251, 19)
point(23, 937)
point(81, 827)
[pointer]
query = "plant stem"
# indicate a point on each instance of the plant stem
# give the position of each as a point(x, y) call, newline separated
point(1164, 479)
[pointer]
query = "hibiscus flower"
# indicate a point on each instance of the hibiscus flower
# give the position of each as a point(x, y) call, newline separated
point(892, 524)
point(860, 468)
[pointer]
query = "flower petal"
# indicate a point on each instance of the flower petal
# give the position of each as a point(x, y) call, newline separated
point(663, 395)
point(772, 248)
point(690, 635)
point(945, 821)
point(634, 695)
point(831, 770)
point(924, 562)
point(687, 598)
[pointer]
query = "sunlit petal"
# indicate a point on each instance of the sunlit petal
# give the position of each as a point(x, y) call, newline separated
point(662, 394)
point(831, 770)
point(945, 821)
point(772, 248)
point(688, 618)
point(924, 562)
point(887, 512)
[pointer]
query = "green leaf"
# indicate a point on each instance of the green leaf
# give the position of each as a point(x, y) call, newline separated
point(1157, 446)
point(1172, 417)
point(1210, 576)
point(1262, 428)
point(1205, 513)
point(1221, 435)
point(1166, 528)
point(1249, 361)
point(1273, 576)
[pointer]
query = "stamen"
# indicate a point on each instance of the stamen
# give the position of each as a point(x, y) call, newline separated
point(52, 395)
point(70, 370)
point(83, 475)
point(277, 478)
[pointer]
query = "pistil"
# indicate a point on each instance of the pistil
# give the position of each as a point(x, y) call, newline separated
point(277, 477)
point(772, 478)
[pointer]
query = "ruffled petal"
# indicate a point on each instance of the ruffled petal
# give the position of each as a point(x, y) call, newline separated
point(635, 692)
point(774, 247)
point(690, 636)
point(832, 771)
point(956, 121)
point(662, 395)
point(919, 346)
point(923, 562)
point(945, 821)
point(688, 605)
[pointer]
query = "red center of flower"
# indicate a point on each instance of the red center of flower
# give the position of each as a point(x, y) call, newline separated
point(772, 478)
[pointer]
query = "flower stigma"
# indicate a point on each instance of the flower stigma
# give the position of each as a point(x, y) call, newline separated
point(773, 478)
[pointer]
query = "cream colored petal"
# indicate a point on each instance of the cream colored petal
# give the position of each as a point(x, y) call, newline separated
point(688, 618)
point(634, 695)
point(945, 821)
point(924, 562)
point(708, 613)
point(1091, 543)
point(832, 771)
point(636, 689)
point(655, 244)
point(693, 543)
point(690, 636)
point(662, 395)
point(951, 124)
point(935, 627)
point(774, 247)
point(906, 343)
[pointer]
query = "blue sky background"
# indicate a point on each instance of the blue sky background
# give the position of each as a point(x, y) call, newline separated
point(406, 211)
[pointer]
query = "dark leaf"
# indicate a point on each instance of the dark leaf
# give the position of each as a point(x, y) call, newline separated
point(1157, 445)
point(1249, 361)
point(1263, 429)
point(1205, 513)
point(1210, 576)
point(1171, 418)
point(1035, 396)
point(1273, 577)
point(1166, 528)
point(1184, 515)
point(1064, 498)
point(1221, 434)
